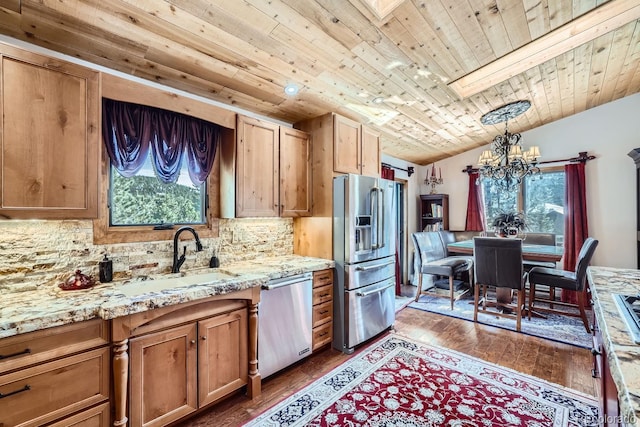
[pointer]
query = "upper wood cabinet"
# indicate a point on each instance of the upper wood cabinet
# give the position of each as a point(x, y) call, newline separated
point(273, 170)
point(258, 168)
point(370, 152)
point(295, 173)
point(356, 149)
point(50, 137)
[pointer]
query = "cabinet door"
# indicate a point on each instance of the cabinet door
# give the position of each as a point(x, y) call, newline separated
point(295, 173)
point(49, 155)
point(257, 168)
point(370, 152)
point(163, 376)
point(222, 352)
point(346, 145)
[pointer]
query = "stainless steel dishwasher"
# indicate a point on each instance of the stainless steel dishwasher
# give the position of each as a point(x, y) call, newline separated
point(284, 322)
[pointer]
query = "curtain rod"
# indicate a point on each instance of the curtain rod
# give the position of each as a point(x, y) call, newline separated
point(582, 157)
point(409, 170)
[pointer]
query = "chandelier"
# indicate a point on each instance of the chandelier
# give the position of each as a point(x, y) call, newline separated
point(507, 164)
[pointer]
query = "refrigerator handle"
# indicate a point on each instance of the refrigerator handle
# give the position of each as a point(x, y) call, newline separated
point(380, 222)
point(373, 208)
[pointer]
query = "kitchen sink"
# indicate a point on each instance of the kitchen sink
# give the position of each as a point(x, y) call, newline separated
point(176, 280)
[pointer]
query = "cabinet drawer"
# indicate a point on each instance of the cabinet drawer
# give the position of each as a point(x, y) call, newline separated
point(322, 335)
point(322, 294)
point(322, 277)
point(46, 392)
point(28, 349)
point(98, 416)
point(322, 313)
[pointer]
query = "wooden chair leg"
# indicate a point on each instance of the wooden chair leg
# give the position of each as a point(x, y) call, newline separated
point(419, 290)
point(519, 310)
point(583, 314)
point(476, 302)
point(552, 295)
point(451, 293)
point(532, 295)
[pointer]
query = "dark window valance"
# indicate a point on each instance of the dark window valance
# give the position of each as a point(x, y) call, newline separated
point(130, 130)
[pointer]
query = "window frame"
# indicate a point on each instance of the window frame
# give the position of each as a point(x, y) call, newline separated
point(104, 233)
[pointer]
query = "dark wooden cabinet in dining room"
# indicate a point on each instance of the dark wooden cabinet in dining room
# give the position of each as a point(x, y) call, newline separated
point(434, 212)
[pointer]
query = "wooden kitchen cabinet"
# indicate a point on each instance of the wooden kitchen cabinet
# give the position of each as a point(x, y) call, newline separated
point(258, 168)
point(50, 137)
point(295, 173)
point(184, 357)
point(273, 175)
point(322, 319)
point(356, 149)
point(59, 375)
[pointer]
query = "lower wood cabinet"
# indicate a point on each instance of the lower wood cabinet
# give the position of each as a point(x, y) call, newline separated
point(322, 319)
point(180, 358)
point(178, 370)
point(58, 376)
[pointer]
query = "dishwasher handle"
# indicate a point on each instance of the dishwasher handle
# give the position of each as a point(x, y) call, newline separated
point(281, 283)
point(375, 291)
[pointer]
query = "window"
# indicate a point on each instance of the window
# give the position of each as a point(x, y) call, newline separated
point(541, 198)
point(144, 200)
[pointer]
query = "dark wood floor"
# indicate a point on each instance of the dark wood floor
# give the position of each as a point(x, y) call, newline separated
point(558, 363)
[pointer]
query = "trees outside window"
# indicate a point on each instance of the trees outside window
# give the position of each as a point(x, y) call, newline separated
point(540, 198)
point(144, 200)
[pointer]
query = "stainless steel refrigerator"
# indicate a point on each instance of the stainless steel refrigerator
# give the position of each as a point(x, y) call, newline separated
point(364, 246)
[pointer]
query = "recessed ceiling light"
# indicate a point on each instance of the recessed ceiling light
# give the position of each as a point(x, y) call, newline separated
point(291, 89)
point(378, 100)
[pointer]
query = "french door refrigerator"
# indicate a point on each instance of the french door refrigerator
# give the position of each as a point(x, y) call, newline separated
point(364, 246)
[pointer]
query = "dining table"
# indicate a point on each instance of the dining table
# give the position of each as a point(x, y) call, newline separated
point(530, 252)
point(546, 253)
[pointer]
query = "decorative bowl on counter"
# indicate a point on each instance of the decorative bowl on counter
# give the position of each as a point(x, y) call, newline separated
point(77, 281)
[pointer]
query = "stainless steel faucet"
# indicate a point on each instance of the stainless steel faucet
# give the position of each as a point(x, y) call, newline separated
point(177, 262)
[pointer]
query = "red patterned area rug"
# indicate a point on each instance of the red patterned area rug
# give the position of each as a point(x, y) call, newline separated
point(397, 382)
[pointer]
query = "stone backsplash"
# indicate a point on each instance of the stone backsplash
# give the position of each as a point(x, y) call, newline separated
point(43, 253)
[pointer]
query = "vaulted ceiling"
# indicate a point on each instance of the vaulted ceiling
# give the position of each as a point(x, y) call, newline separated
point(421, 72)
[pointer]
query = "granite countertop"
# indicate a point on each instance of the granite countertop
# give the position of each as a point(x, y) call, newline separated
point(622, 353)
point(49, 306)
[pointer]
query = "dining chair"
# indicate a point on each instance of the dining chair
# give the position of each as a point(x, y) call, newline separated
point(431, 259)
point(563, 279)
point(498, 265)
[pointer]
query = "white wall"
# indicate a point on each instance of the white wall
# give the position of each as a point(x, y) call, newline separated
point(608, 132)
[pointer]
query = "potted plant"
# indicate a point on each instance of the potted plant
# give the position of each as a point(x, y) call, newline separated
point(509, 224)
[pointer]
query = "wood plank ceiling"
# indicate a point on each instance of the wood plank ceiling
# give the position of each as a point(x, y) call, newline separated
point(343, 56)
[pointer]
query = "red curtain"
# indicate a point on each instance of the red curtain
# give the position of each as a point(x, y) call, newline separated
point(575, 220)
point(388, 173)
point(475, 210)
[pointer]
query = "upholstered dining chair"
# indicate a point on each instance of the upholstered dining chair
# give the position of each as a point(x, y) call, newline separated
point(498, 265)
point(562, 279)
point(431, 259)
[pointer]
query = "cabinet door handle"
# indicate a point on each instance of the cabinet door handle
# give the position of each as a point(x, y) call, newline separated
point(595, 352)
point(20, 353)
point(192, 341)
point(323, 334)
point(324, 312)
point(27, 387)
point(204, 337)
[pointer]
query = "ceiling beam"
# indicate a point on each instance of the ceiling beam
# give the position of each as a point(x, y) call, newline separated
point(608, 17)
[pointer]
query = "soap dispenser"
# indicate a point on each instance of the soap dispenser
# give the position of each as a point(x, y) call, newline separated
point(105, 268)
point(214, 262)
